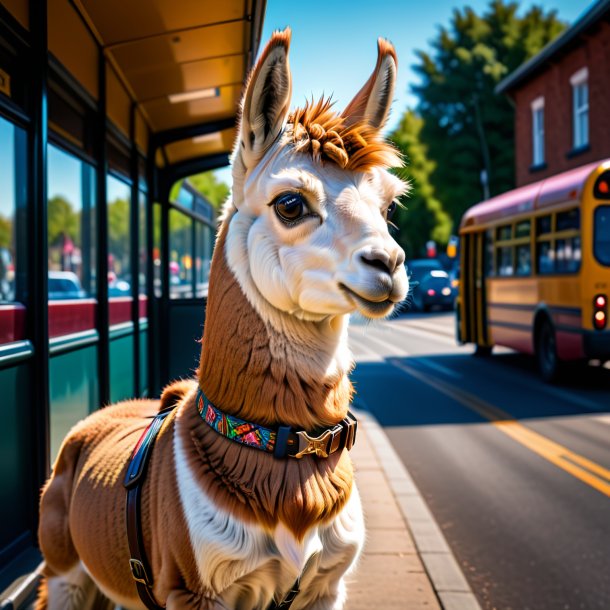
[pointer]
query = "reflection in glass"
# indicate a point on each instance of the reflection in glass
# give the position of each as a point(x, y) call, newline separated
point(524, 262)
point(71, 218)
point(142, 242)
point(119, 242)
point(203, 258)
point(180, 255)
point(12, 201)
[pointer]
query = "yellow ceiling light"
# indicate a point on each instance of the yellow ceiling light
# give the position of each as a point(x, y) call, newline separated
point(208, 138)
point(189, 96)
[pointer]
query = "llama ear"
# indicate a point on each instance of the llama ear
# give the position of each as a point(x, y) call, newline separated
point(372, 103)
point(267, 99)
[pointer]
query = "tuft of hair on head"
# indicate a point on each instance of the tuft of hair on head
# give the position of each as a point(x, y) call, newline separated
point(319, 130)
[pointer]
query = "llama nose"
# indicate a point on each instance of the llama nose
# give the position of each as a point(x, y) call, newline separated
point(383, 260)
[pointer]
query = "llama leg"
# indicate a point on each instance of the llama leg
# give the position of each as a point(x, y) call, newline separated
point(73, 590)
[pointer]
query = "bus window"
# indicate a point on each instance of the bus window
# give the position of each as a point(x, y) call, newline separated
point(524, 260)
point(504, 233)
point(522, 229)
point(489, 253)
point(505, 261)
point(543, 225)
point(546, 258)
point(568, 255)
point(568, 220)
point(601, 240)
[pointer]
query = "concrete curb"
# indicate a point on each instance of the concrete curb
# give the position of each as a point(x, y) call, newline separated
point(444, 572)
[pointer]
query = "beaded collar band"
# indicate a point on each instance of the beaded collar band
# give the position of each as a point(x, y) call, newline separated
point(283, 441)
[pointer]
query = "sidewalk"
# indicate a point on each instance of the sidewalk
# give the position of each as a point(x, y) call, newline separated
point(406, 564)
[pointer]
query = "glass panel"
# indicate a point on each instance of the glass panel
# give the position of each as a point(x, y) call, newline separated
point(543, 225)
point(12, 213)
point(524, 260)
point(523, 229)
point(581, 115)
point(119, 243)
point(157, 249)
point(504, 233)
point(568, 220)
point(70, 228)
point(504, 257)
point(545, 257)
point(601, 240)
point(180, 255)
point(568, 253)
point(489, 253)
point(143, 244)
point(203, 258)
point(538, 136)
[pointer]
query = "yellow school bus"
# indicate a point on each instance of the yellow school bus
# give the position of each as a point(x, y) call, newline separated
point(535, 270)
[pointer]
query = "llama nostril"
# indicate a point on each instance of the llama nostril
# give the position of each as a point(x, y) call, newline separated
point(378, 259)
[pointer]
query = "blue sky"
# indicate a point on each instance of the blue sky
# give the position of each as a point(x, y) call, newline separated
point(334, 43)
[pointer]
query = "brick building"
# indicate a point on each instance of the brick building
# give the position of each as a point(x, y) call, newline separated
point(562, 100)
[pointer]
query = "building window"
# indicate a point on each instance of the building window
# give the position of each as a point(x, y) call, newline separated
point(580, 108)
point(538, 131)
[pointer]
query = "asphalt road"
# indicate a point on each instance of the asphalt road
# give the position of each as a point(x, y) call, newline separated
point(516, 472)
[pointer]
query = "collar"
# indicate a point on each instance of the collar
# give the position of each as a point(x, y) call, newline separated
point(283, 441)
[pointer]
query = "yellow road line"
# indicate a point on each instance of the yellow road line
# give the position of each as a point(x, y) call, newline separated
point(578, 466)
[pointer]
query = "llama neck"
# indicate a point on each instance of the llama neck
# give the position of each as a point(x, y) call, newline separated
point(280, 370)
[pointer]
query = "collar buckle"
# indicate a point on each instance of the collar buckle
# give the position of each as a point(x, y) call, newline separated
point(321, 446)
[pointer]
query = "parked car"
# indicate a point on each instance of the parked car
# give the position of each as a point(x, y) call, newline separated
point(65, 285)
point(431, 285)
point(7, 275)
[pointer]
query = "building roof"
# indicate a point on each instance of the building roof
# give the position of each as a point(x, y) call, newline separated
point(595, 13)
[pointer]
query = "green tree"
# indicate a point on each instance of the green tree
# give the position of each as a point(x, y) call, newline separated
point(6, 232)
point(118, 233)
point(422, 216)
point(215, 191)
point(467, 127)
point(62, 220)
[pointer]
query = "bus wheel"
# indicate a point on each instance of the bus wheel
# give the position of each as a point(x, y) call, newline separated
point(549, 364)
point(483, 351)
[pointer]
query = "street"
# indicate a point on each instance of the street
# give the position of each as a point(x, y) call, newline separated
point(516, 472)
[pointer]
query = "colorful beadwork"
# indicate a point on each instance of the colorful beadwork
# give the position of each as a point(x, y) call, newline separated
point(235, 428)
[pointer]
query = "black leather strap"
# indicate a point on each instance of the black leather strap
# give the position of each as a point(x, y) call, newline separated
point(134, 478)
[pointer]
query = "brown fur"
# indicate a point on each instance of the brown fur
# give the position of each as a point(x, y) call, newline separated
point(325, 134)
point(82, 506)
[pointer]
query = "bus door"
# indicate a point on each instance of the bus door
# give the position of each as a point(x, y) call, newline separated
point(473, 309)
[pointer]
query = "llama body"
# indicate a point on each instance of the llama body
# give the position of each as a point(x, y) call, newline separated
point(303, 243)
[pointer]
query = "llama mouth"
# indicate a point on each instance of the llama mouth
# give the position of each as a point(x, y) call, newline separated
point(371, 309)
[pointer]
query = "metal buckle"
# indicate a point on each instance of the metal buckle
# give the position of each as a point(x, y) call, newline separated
point(319, 445)
point(138, 571)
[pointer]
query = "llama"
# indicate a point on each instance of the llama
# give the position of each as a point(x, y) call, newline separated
point(303, 243)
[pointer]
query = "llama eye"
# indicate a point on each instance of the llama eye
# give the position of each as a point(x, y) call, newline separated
point(390, 211)
point(290, 207)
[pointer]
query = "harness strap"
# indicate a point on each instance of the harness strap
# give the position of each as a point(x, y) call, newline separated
point(138, 563)
point(134, 478)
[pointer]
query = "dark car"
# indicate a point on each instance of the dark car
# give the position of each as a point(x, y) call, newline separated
point(431, 285)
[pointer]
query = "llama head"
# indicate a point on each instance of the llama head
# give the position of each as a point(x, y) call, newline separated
point(312, 196)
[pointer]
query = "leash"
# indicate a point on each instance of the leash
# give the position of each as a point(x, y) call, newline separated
point(283, 442)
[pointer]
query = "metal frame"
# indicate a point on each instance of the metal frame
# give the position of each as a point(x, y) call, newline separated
point(135, 248)
point(103, 317)
point(37, 310)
